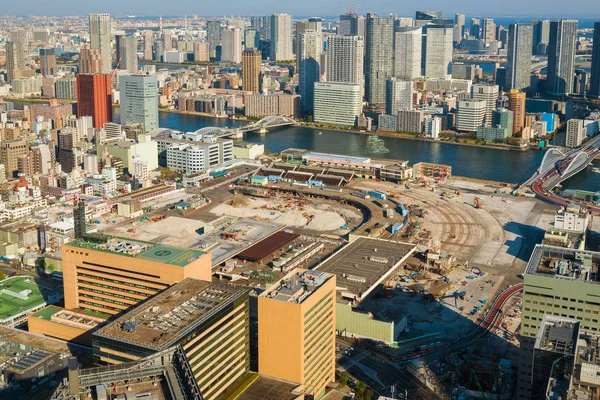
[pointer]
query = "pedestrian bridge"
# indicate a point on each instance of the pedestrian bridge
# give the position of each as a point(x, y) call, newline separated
point(262, 125)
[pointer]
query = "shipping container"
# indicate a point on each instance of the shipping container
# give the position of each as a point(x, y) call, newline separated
point(380, 203)
point(377, 194)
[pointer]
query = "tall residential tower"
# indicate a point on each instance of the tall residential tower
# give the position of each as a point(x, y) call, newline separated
point(100, 38)
point(518, 69)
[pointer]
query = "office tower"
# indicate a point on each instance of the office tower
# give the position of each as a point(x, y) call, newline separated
point(379, 63)
point(213, 35)
point(459, 27)
point(470, 115)
point(337, 103)
point(139, 100)
point(345, 58)
point(595, 78)
point(202, 52)
point(159, 50)
point(488, 28)
point(15, 60)
point(561, 57)
point(399, 95)
point(575, 133)
point(489, 94)
point(541, 36)
point(281, 37)
point(475, 28)
point(516, 104)
point(438, 50)
point(558, 282)
point(10, 151)
point(148, 42)
point(426, 17)
point(351, 25)
point(206, 323)
point(251, 66)
point(296, 330)
point(47, 62)
point(251, 39)
point(309, 58)
point(127, 58)
point(518, 69)
point(90, 60)
point(137, 270)
point(231, 45)
point(94, 97)
point(408, 43)
point(100, 38)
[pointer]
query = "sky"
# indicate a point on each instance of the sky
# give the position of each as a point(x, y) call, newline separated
point(530, 8)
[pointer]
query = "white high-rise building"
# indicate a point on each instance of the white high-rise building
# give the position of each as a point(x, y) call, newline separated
point(489, 94)
point(459, 26)
point(438, 50)
point(399, 95)
point(408, 43)
point(379, 57)
point(139, 100)
point(518, 67)
point(470, 115)
point(281, 37)
point(231, 45)
point(337, 103)
point(100, 38)
point(148, 42)
point(575, 133)
point(84, 126)
point(310, 46)
point(345, 57)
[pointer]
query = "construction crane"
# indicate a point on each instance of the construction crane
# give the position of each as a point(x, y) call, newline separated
point(351, 10)
point(474, 376)
point(476, 203)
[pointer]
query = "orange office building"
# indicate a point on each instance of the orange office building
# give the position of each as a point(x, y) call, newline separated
point(110, 275)
point(94, 98)
point(296, 330)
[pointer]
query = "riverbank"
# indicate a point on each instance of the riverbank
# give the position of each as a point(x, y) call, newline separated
point(36, 100)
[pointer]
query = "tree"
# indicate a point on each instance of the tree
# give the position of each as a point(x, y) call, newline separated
point(344, 378)
point(2, 275)
point(360, 388)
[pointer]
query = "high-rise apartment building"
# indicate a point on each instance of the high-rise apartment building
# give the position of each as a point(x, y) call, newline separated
point(561, 57)
point(351, 24)
point(100, 38)
point(139, 100)
point(541, 36)
point(213, 35)
point(251, 70)
point(558, 282)
point(94, 98)
point(408, 43)
point(518, 68)
point(15, 60)
point(488, 29)
point(575, 133)
point(201, 52)
point(10, 151)
point(296, 330)
point(281, 37)
point(148, 43)
point(516, 104)
point(231, 45)
point(595, 78)
point(489, 94)
point(47, 62)
point(310, 46)
point(345, 58)
point(459, 27)
point(337, 103)
point(399, 95)
point(379, 63)
point(127, 58)
point(90, 60)
point(438, 50)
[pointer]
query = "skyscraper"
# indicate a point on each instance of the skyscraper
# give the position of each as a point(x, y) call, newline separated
point(351, 25)
point(489, 94)
point(309, 59)
point(459, 27)
point(379, 63)
point(15, 60)
point(408, 43)
point(399, 95)
point(438, 50)
point(251, 64)
point(90, 60)
point(213, 35)
point(281, 37)
point(139, 100)
point(516, 104)
point(47, 62)
point(231, 45)
point(148, 42)
point(561, 57)
point(94, 98)
point(345, 59)
point(541, 36)
point(127, 53)
point(100, 39)
point(518, 68)
point(313, 24)
point(595, 79)
point(488, 28)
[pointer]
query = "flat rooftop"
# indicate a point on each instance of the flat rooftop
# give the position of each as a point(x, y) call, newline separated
point(267, 246)
point(69, 317)
point(34, 340)
point(20, 294)
point(558, 335)
point(364, 263)
point(297, 286)
point(564, 263)
point(167, 317)
point(145, 250)
point(264, 388)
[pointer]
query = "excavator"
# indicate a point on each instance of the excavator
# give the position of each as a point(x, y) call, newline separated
point(476, 203)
